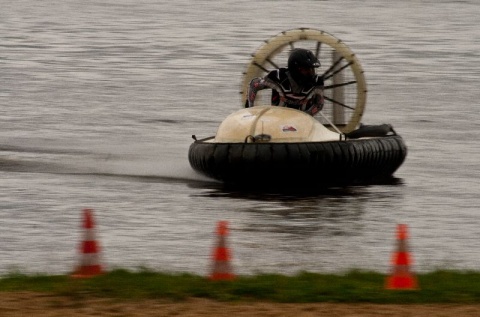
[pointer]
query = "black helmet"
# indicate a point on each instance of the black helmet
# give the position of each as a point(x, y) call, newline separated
point(302, 58)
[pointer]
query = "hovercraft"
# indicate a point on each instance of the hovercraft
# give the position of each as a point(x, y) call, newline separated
point(279, 146)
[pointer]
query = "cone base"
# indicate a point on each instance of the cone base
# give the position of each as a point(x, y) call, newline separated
point(87, 271)
point(401, 283)
point(222, 277)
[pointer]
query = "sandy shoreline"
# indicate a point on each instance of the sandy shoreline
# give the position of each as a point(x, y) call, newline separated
point(45, 305)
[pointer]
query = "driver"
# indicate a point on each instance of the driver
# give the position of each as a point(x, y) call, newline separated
point(297, 86)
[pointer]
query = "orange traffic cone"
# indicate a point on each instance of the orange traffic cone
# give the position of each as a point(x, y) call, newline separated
point(401, 277)
point(222, 269)
point(89, 249)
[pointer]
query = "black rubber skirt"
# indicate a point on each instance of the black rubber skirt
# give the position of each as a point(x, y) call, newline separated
point(353, 161)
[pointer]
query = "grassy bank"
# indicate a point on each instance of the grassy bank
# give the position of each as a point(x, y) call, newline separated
point(436, 287)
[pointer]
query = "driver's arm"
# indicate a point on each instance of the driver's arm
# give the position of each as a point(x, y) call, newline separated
point(316, 102)
point(258, 84)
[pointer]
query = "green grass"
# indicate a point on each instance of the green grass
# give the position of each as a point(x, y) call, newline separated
point(352, 287)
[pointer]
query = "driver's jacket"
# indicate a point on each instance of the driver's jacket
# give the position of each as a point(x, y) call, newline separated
point(286, 92)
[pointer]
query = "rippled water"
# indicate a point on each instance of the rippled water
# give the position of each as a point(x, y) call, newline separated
point(99, 100)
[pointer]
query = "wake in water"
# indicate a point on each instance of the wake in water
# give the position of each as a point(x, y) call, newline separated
point(121, 163)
